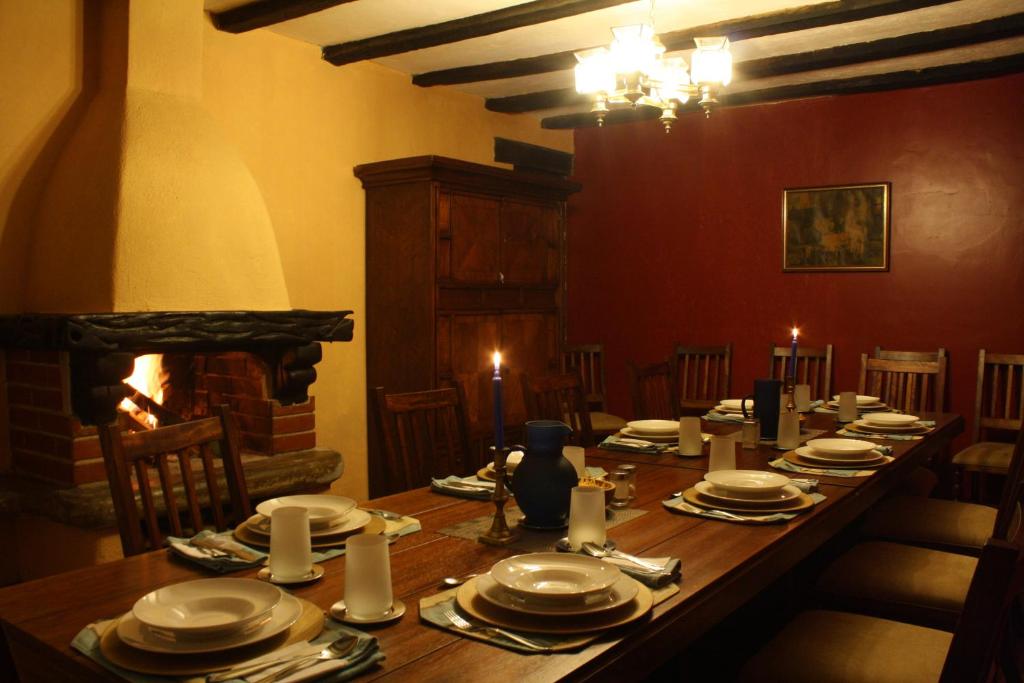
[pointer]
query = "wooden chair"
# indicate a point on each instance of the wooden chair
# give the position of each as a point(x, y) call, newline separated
point(588, 361)
point(912, 386)
point(424, 435)
point(559, 397)
point(925, 356)
point(813, 367)
point(190, 442)
point(702, 376)
point(998, 409)
point(653, 388)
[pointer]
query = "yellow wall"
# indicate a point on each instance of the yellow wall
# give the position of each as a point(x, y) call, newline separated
point(300, 125)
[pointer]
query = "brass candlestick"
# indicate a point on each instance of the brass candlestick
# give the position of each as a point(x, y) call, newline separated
point(790, 391)
point(499, 533)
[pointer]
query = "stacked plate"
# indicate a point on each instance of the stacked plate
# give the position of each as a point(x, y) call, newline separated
point(838, 454)
point(865, 404)
point(749, 491)
point(511, 463)
point(207, 615)
point(888, 423)
point(655, 431)
point(550, 592)
point(332, 519)
point(734, 406)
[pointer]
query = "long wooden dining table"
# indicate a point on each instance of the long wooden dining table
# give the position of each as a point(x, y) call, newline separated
point(723, 566)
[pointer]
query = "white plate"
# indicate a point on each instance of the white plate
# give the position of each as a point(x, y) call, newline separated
point(655, 427)
point(861, 399)
point(869, 458)
point(747, 484)
point(734, 404)
point(834, 405)
point(890, 419)
point(206, 606)
point(353, 521)
point(849, 448)
point(706, 488)
point(511, 462)
point(621, 592)
point(323, 510)
point(554, 575)
point(653, 438)
point(886, 429)
point(134, 633)
point(732, 411)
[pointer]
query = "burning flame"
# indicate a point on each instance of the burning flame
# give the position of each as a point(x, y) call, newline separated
point(148, 379)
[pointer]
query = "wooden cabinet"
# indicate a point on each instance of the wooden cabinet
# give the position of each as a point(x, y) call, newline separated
point(461, 259)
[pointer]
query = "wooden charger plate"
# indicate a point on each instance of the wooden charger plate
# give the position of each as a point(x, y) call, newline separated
point(309, 625)
point(478, 607)
point(376, 525)
point(885, 431)
point(792, 457)
point(798, 504)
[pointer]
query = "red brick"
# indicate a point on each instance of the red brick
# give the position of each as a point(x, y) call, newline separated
point(53, 357)
point(84, 448)
point(48, 399)
point(254, 423)
point(307, 406)
point(14, 355)
point(258, 443)
point(227, 365)
point(26, 418)
point(249, 406)
point(287, 443)
point(235, 385)
point(40, 443)
point(290, 424)
point(18, 395)
point(34, 374)
point(50, 469)
point(89, 471)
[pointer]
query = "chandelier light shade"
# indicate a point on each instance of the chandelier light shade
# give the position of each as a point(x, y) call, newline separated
point(633, 72)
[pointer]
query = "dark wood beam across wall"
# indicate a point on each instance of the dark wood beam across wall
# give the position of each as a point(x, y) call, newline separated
point(532, 158)
point(815, 16)
point(833, 57)
point(267, 12)
point(407, 40)
point(936, 75)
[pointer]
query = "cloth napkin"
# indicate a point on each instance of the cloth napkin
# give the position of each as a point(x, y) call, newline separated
point(449, 486)
point(631, 445)
point(674, 503)
point(715, 416)
point(671, 569)
point(183, 547)
point(365, 655)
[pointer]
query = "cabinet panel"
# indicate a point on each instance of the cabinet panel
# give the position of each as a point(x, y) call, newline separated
point(529, 248)
point(474, 234)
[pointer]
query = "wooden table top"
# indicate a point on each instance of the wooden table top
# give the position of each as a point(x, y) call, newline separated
point(723, 564)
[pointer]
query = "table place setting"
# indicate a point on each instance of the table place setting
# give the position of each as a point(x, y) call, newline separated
point(836, 458)
point(658, 436)
point(226, 629)
point(892, 426)
point(744, 497)
point(852, 404)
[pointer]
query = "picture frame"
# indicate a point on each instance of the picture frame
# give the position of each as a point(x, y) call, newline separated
point(836, 228)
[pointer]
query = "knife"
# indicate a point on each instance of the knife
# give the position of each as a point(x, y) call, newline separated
point(228, 547)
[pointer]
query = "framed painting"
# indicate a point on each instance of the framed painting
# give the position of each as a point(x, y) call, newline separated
point(836, 228)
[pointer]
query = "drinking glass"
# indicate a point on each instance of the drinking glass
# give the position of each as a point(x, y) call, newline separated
point(723, 453)
point(789, 430)
point(291, 557)
point(847, 406)
point(367, 576)
point(575, 455)
point(586, 516)
point(802, 397)
point(689, 436)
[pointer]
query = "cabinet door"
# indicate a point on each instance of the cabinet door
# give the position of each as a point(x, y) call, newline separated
point(529, 249)
point(529, 343)
point(473, 235)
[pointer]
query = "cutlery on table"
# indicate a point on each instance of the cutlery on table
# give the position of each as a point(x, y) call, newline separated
point(341, 646)
point(463, 625)
point(386, 514)
point(683, 505)
point(597, 551)
point(453, 581)
point(227, 548)
point(467, 485)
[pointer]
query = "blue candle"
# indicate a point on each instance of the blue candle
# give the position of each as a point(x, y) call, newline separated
point(792, 358)
point(499, 420)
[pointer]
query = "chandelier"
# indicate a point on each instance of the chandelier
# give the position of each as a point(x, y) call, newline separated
point(633, 72)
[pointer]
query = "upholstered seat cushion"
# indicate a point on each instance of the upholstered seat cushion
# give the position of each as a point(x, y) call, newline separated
point(931, 521)
point(839, 647)
point(985, 456)
point(605, 423)
point(901, 581)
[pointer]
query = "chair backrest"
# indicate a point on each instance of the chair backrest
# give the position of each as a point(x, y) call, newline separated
point(999, 400)
point(588, 361)
point(425, 436)
point(813, 367)
point(915, 386)
point(702, 374)
point(891, 354)
point(559, 397)
point(653, 388)
point(1008, 517)
point(191, 444)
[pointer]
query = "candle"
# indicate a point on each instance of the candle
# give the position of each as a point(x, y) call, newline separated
point(792, 358)
point(499, 421)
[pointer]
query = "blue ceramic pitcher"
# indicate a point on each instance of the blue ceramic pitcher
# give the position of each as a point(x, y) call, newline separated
point(544, 479)
point(766, 406)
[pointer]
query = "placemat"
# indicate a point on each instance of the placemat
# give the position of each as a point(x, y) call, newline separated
point(530, 541)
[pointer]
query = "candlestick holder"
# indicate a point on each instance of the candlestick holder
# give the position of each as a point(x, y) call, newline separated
point(499, 533)
point(789, 389)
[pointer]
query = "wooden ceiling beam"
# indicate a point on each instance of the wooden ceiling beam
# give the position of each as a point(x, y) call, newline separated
point(407, 40)
point(936, 75)
point(827, 58)
point(814, 16)
point(267, 12)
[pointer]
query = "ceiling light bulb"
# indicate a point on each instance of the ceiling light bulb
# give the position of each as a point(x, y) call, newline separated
point(711, 62)
point(594, 72)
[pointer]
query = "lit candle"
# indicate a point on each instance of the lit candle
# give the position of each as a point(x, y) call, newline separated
point(499, 421)
point(792, 358)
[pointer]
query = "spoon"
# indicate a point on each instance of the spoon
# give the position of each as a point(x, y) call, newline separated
point(338, 649)
point(453, 581)
point(344, 645)
point(597, 551)
point(386, 514)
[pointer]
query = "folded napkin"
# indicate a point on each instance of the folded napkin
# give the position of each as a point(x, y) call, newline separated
point(596, 472)
point(464, 487)
point(805, 485)
point(365, 655)
point(679, 505)
point(891, 437)
point(616, 442)
point(671, 569)
point(186, 548)
point(715, 416)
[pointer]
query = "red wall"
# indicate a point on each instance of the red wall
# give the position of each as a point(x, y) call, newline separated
point(678, 237)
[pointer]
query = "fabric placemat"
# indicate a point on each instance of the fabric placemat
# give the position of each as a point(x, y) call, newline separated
point(682, 507)
point(783, 464)
point(890, 437)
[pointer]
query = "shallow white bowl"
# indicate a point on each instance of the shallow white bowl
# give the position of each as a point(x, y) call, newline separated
point(862, 400)
point(550, 575)
point(890, 419)
point(323, 510)
point(207, 606)
point(659, 427)
point(841, 446)
point(747, 483)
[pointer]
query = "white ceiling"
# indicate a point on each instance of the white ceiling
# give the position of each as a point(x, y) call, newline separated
point(367, 18)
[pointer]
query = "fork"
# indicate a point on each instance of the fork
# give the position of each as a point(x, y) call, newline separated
point(463, 625)
point(683, 505)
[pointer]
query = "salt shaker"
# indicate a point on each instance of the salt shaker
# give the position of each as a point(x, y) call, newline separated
point(620, 498)
point(751, 433)
point(631, 471)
